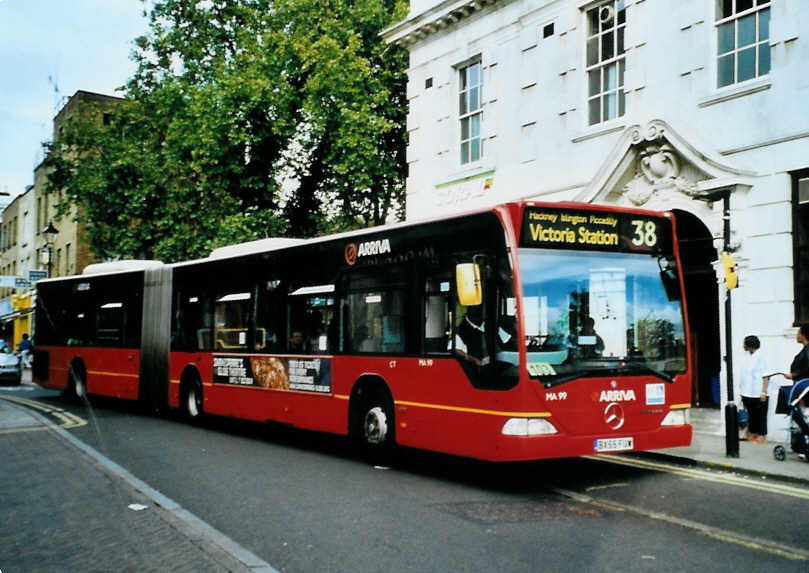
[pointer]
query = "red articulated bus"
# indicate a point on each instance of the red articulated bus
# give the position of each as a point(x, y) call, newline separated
point(524, 331)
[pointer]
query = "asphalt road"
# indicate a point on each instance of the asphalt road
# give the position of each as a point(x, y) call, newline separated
point(307, 502)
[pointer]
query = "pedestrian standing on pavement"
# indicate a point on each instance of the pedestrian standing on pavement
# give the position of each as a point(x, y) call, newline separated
point(754, 390)
point(799, 369)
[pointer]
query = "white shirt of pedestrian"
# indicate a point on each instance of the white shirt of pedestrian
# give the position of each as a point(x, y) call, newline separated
point(754, 368)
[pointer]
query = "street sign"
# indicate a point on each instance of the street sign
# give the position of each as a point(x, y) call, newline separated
point(34, 276)
point(14, 282)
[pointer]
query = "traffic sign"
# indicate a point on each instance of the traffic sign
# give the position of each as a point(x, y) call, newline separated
point(34, 276)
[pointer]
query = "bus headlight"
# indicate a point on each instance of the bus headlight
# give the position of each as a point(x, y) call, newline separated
point(528, 427)
point(676, 418)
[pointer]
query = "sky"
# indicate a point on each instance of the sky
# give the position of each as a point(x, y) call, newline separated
point(50, 49)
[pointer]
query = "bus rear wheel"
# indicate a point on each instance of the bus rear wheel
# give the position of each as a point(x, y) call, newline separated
point(191, 401)
point(377, 431)
point(77, 388)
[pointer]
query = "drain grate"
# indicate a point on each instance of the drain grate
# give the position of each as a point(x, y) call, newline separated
point(491, 512)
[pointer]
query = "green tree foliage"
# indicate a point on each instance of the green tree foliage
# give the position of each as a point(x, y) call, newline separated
point(245, 119)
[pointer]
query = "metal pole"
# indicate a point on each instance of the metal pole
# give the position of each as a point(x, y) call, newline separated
point(731, 414)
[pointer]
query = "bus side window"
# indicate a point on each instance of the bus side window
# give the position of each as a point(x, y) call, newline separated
point(232, 320)
point(311, 313)
point(192, 331)
point(110, 320)
point(377, 301)
point(269, 317)
point(437, 296)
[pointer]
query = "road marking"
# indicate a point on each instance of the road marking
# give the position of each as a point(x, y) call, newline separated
point(607, 486)
point(772, 547)
point(66, 419)
point(769, 486)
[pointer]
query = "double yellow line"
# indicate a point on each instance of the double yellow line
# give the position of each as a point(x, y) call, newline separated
point(65, 419)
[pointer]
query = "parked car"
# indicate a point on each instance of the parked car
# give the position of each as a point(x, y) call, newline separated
point(10, 368)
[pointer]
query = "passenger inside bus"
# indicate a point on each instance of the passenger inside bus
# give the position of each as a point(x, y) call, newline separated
point(589, 340)
point(296, 342)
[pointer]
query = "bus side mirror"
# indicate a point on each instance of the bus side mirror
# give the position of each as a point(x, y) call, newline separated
point(470, 288)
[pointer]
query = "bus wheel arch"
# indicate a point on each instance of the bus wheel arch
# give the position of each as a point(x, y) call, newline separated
point(371, 418)
point(77, 380)
point(190, 399)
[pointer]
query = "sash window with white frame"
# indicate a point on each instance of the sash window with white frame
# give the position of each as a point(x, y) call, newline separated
point(470, 112)
point(742, 40)
point(606, 61)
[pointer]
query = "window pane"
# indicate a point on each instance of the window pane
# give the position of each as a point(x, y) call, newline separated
point(620, 41)
point(465, 128)
point(462, 108)
point(747, 64)
point(475, 132)
point(610, 102)
point(607, 16)
point(607, 46)
point(764, 25)
point(742, 5)
point(475, 149)
point(621, 67)
point(725, 71)
point(724, 8)
point(621, 12)
point(763, 59)
point(592, 51)
point(474, 75)
point(465, 152)
point(610, 77)
point(595, 110)
point(462, 75)
point(474, 99)
point(747, 30)
point(725, 38)
point(592, 22)
point(803, 191)
point(621, 103)
point(594, 81)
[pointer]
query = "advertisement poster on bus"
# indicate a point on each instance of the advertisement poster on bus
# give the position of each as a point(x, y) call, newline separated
point(301, 374)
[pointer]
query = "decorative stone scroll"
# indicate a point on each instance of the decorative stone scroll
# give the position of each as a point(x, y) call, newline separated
point(658, 167)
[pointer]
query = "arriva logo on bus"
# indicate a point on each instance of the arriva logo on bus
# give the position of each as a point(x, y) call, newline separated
point(379, 247)
point(617, 396)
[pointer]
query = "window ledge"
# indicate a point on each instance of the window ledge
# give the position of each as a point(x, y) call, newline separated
point(465, 175)
point(741, 90)
point(599, 130)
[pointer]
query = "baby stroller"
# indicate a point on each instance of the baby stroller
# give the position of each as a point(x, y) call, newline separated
point(789, 402)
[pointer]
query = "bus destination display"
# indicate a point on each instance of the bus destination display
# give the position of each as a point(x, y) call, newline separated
point(594, 230)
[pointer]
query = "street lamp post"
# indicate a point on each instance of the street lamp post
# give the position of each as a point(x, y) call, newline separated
point(50, 233)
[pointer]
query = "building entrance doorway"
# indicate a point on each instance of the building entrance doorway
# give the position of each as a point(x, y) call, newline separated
point(702, 295)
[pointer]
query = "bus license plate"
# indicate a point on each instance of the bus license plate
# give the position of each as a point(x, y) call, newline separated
point(614, 444)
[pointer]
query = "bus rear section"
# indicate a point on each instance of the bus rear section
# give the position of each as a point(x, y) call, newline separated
point(90, 331)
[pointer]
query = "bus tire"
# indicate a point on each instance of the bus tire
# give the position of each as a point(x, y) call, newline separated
point(375, 425)
point(77, 383)
point(191, 401)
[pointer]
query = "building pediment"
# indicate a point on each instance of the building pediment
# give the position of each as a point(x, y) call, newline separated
point(425, 23)
point(654, 160)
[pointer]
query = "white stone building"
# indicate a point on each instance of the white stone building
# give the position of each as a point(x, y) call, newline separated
point(664, 104)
